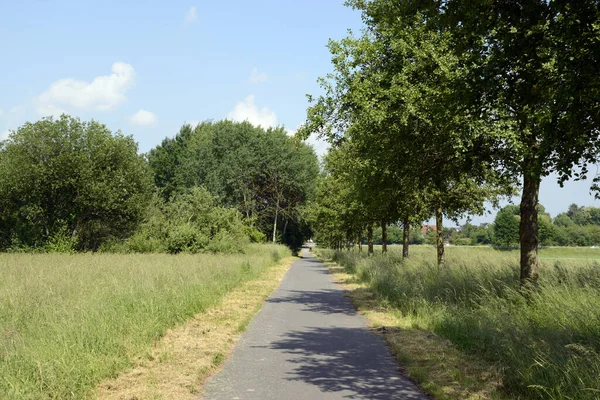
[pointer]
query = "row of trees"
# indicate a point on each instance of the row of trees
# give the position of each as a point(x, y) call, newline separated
point(439, 106)
point(67, 184)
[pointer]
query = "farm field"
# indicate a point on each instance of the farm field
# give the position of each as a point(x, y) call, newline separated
point(68, 322)
point(545, 342)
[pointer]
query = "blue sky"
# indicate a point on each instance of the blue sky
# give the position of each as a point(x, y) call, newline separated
point(145, 67)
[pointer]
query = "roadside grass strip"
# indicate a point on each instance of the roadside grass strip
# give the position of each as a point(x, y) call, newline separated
point(439, 368)
point(187, 355)
point(476, 325)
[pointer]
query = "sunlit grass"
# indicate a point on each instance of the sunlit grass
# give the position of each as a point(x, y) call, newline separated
point(546, 341)
point(68, 322)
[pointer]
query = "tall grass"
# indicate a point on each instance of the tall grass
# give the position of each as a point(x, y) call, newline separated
point(69, 321)
point(547, 341)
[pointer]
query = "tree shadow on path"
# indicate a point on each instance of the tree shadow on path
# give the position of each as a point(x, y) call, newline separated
point(322, 301)
point(348, 360)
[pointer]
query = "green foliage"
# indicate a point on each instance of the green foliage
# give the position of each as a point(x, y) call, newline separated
point(185, 238)
point(393, 107)
point(506, 227)
point(65, 179)
point(543, 340)
point(191, 222)
point(254, 234)
point(264, 174)
point(62, 242)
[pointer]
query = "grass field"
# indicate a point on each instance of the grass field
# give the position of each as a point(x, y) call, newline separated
point(68, 322)
point(546, 342)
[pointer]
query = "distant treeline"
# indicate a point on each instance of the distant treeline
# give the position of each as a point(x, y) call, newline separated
point(68, 185)
point(579, 226)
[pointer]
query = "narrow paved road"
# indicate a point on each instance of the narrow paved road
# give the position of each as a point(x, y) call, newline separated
point(309, 343)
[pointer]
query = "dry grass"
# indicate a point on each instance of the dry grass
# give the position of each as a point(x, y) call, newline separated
point(188, 354)
point(434, 362)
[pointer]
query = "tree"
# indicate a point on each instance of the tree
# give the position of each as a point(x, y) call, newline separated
point(506, 227)
point(563, 220)
point(532, 68)
point(395, 96)
point(72, 178)
point(265, 174)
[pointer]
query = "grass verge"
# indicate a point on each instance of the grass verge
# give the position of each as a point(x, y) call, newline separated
point(190, 353)
point(439, 368)
point(69, 322)
point(545, 343)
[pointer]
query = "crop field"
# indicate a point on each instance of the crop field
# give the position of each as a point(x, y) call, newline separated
point(546, 341)
point(68, 322)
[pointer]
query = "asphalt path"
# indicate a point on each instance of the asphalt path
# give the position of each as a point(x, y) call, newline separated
point(308, 342)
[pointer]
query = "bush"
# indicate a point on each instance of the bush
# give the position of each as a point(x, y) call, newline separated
point(141, 242)
point(463, 242)
point(62, 242)
point(114, 246)
point(227, 242)
point(186, 238)
point(254, 234)
point(190, 222)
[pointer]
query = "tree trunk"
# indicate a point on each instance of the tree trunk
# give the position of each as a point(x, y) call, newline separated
point(439, 235)
point(528, 229)
point(275, 223)
point(360, 243)
point(285, 228)
point(405, 237)
point(370, 238)
point(384, 237)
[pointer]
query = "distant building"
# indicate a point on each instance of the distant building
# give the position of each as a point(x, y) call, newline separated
point(427, 228)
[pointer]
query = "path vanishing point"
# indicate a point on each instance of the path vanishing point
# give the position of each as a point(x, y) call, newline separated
point(308, 342)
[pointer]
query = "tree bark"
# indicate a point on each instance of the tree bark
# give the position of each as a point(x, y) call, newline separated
point(384, 237)
point(370, 238)
point(439, 223)
point(528, 229)
point(275, 223)
point(405, 237)
point(360, 243)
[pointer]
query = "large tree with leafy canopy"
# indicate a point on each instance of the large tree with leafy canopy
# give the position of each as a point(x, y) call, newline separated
point(266, 174)
point(70, 178)
point(533, 67)
point(395, 94)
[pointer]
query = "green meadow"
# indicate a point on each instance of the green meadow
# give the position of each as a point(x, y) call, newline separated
point(67, 322)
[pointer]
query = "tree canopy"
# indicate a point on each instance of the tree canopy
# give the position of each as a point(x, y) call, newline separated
point(265, 174)
point(64, 177)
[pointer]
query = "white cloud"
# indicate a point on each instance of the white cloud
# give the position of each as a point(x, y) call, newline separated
point(191, 15)
point(248, 111)
point(102, 93)
point(257, 77)
point(4, 135)
point(320, 146)
point(143, 117)
point(1, 112)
